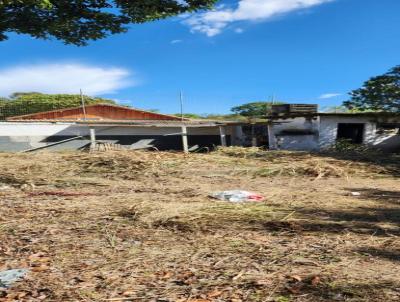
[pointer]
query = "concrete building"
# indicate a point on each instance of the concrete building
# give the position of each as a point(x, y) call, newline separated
point(77, 128)
point(319, 131)
point(290, 127)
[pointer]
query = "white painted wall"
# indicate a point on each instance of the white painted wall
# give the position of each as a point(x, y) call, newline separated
point(329, 125)
point(325, 128)
point(32, 135)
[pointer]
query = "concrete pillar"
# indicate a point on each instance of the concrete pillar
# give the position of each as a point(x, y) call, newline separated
point(92, 138)
point(222, 133)
point(185, 140)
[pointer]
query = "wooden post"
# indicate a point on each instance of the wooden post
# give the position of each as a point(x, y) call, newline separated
point(185, 140)
point(222, 133)
point(92, 139)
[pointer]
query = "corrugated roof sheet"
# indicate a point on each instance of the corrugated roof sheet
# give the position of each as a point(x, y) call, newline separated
point(95, 113)
point(138, 123)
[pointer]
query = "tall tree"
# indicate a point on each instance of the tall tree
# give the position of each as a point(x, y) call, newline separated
point(381, 93)
point(78, 21)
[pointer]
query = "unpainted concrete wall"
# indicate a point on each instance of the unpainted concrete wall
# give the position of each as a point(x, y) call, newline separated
point(296, 134)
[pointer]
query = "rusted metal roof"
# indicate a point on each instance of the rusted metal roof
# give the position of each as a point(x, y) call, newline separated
point(97, 112)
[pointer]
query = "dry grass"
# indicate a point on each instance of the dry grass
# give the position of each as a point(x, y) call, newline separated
point(286, 163)
point(138, 226)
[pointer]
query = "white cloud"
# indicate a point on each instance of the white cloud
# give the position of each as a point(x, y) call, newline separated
point(239, 30)
point(214, 22)
point(64, 78)
point(176, 41)
point(329, 96)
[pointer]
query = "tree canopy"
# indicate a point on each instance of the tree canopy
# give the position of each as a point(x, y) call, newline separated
point(212, 116)
point(78, 21)
point(380, 93)
point(21, 103)
point(254, 109)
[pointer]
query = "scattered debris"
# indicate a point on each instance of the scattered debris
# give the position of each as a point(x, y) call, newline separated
point(355, 193)
point(151, 233)
point(4, 187)
point(7, 278)
point(237, 196)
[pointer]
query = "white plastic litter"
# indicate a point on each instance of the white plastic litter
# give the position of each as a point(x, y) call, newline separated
point(237, 196)
point(7, 278)
point(356, 193)
point(4, 187)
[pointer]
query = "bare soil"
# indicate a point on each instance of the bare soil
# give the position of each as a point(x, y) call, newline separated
point(139, 226)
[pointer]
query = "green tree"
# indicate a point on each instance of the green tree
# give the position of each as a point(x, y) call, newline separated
point(381, 93)
point(254, 109)
point(78, 21)
point(26, 103)
point(190, 115)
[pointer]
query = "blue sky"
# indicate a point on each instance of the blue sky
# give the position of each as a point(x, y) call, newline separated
point(246, 50)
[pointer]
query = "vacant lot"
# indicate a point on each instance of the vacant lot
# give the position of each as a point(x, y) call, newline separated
point(139, 226)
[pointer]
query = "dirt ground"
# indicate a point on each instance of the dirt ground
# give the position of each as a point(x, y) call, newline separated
point(139, 226)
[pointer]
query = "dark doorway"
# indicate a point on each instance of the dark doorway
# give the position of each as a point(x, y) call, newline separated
point(256, 135)
point(354, 133)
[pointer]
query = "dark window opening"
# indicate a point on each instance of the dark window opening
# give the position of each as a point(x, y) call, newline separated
point(258, 133)
point(353, 133)
point(388, 128)
point(297, 132)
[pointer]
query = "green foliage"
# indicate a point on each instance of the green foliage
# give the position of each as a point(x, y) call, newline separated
point(342, 109)
point(346, 146)
point(381, 93)
point(206, 116)
point(78, 21)
point(226, 117)
point(190, 115)
point(26, 103)
point(282, 299)
point(254, 109)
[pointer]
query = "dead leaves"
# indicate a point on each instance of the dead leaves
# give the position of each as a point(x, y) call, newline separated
point(297, 284)
point(39, 262)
